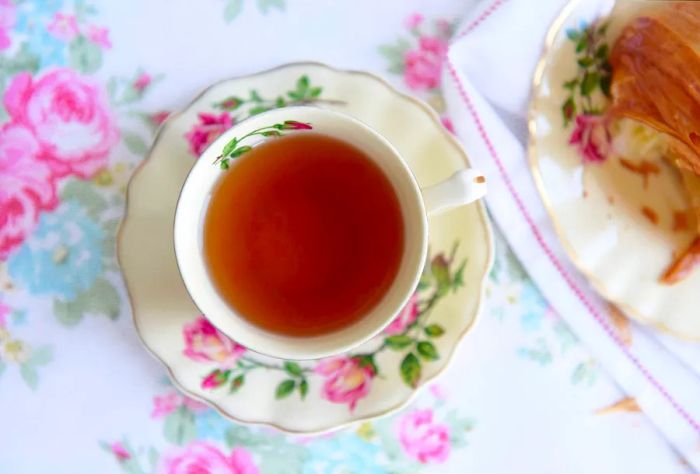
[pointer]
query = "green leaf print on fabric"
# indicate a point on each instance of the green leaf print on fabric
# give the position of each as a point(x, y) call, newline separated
point(85, 56)
point(180, 426)
point(135, 143)
point(102, 298)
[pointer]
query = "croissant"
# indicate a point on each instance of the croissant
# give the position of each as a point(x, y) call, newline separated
point(656, 81)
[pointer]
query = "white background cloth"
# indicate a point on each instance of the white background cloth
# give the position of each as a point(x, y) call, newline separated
point(533, 398)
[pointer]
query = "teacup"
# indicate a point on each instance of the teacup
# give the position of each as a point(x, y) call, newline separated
point(416, 205)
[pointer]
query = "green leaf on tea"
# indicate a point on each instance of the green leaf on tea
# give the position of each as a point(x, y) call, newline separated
point(293, 369)
point(284, 389)
point(410, 370)
point(427, 350)
point(398, 342)
point(434, 330)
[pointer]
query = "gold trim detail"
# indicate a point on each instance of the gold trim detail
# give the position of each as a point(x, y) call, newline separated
point(533, 113)
point(484, 222)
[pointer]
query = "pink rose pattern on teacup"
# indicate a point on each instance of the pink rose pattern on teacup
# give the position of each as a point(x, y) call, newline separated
point(424, 64)
point(209, 128)
point(27, 186)
point(346, 380)
point(405, 318)
point(69, 116)
point(205, 343)
point(202, 457)
point(422, 438)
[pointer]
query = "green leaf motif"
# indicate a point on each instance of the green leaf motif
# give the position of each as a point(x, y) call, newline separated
point(434, 330)
point(440, 269)
point(179, 427)
point(303, 388)
point(237, 383)
point(568, 110)
point(582, 44)
point(29, 375)
point(258, 110)
point(284, 389)
point(85, 56)
point(102, 298)
point(229, 147)
point(85, 194)
point(602, 51)
point(232, 10)
point(458, 280)
point(573, 35)
point(293, 369)
point(241, 150)
point(367, 360)
point(41, 356)
point(398, 342)
point(265, 5)
point(427, 350)
point(410, 370)
point(589, 83)
point(315, 92)
point(585, 62)
point(135, 143)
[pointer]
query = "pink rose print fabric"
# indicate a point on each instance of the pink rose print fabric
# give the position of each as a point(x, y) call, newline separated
point(64, 27)
point(8, 16)
point(69, 116)
point(424, 64)
point(204, 343)
point(27, 186)
point(424, 439)
point(206, 458)
point(346, 381)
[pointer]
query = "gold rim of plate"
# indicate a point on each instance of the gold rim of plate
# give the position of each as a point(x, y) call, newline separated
point(484, 221)
point(552, 35)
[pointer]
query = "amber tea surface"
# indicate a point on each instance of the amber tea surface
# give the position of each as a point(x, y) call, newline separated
point(303, 235)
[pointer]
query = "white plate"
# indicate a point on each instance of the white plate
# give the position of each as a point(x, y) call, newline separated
point(598, 209)
point(337, 392)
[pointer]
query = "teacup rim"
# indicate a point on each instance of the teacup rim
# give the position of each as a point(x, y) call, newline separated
point(356, 342)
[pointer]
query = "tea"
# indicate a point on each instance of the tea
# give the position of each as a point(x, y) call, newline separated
point(303, 235)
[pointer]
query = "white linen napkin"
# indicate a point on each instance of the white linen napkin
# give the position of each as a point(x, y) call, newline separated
point(487, 82)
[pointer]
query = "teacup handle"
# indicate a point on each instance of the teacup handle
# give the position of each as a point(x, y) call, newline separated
point(463, 187)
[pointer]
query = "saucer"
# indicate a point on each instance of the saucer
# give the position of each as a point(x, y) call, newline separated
point(619, 226)
point(374, 379)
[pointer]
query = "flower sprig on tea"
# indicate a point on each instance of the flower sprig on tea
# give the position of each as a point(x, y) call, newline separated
point(234, 148)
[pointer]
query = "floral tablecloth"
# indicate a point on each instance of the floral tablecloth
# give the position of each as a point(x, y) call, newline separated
point(78, 393)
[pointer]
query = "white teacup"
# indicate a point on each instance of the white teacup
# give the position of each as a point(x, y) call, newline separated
point(416, 204)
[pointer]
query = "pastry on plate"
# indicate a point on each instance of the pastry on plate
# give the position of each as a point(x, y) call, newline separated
point(656, 81)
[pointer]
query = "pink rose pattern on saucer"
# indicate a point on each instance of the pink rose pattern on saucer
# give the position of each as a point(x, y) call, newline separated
point(55, 50)
point(343, 379)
